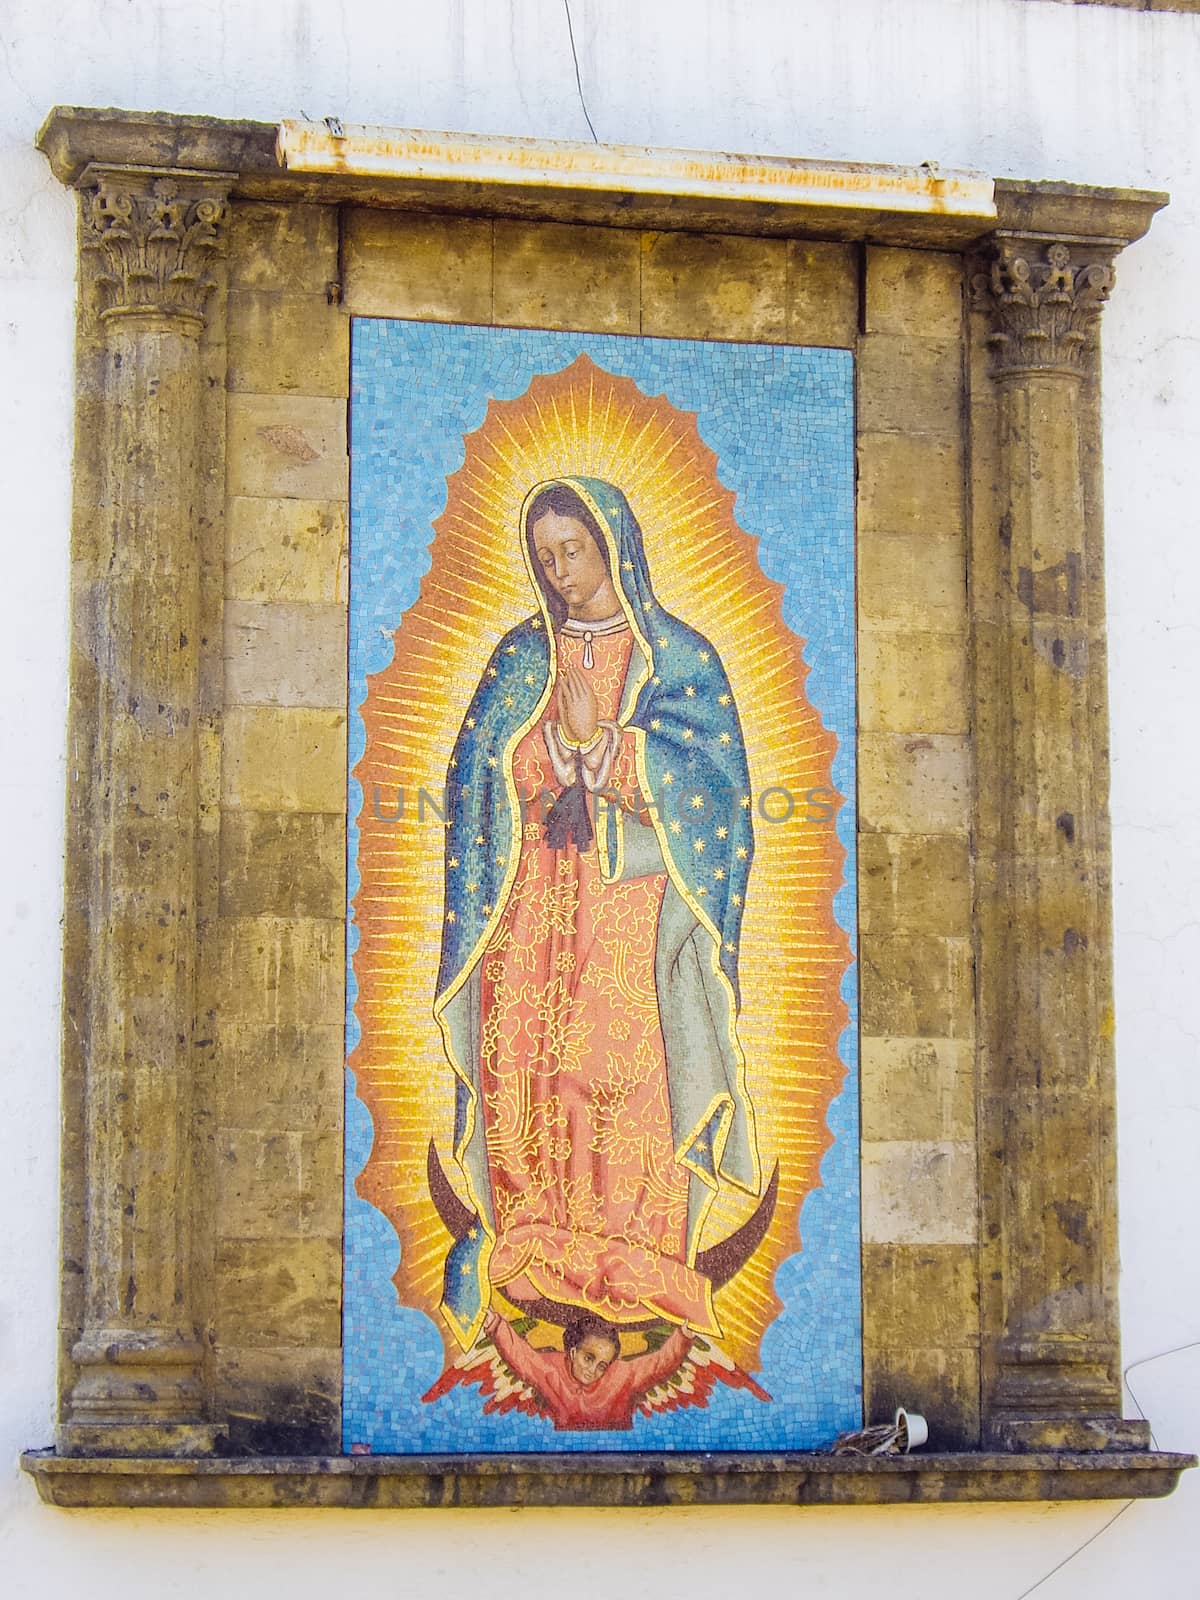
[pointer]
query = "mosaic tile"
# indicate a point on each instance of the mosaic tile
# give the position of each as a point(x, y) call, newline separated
point(771, 431)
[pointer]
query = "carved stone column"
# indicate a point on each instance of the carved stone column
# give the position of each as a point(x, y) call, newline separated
point(1047, 1144)
point(148, 241)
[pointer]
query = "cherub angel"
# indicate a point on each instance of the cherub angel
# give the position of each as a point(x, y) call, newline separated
point(588, 1385)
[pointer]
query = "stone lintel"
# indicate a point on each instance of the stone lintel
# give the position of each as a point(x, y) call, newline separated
point(416, 1482)
point(73, 137)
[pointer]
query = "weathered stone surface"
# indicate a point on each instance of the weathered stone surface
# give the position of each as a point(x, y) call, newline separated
point(399, 264)
point(288, 549)
point(284, 653)
point(1070, 1433)
point(556, 276)
point(151, 274)
point(610, 1478)
point(73, 137)
point(1047, 1178)
point(917, 1088)
point(914, 883)
point(940, 1383)
point(910, 483)
point(282, 1076)
point(822, 293)
point(283, 970)
point(918, 1296)
point(287, 446)
point(284, 759)
point(915, 984)
point(914, 783)
point(697, 286)
point(912, 682)
point(919, 1191)
point(912, 580)
point(910, 384)
point(283, 864)
point(280, 1292)
point(279, 1399)
point(916, 292)
point(282, 248)
point(271, 1184)
point(288, 343)
point(157, 245)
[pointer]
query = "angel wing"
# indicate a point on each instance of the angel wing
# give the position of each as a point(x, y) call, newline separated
point(695, 1378)
point(500, 1386)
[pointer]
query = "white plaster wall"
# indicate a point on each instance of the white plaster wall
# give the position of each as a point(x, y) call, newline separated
point(1023, 87)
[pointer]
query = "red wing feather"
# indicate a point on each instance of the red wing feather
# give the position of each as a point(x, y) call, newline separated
point(694, 1380)
point(501, 1388)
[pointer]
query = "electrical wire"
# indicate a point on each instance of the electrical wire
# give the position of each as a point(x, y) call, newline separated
point(1047, 1575)
point(1145, 1361)
point(1162, 1355)
point(578, 79)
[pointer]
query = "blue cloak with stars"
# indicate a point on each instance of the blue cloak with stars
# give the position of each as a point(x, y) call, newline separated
point(678, 706)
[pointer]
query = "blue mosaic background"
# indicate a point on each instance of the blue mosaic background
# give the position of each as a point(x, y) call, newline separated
point(781, 422)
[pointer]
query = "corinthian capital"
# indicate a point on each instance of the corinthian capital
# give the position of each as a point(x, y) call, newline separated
point(155, 233)
point(1043, 306)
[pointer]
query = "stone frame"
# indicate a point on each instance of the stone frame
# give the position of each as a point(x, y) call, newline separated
point(203, 999)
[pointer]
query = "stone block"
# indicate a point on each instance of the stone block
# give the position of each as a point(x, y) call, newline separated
point(914, 883)
point(913, 682)
point(287, 344)
point(437, 269)
point(282, 1076)
point(280, 1401)
point(909, 384)
point(916, 985)
point(555, 275)
point(917, 1088)
point(285, 653)
point(287, 446)
point(285, 971)
point(321, 1182)
point(822, 293)
point(283, 864)
point(920, 1296)
point(275, 1183)
point(914, 783)
point(919, 1192)
point(910, 483)
point(942, 1385)
point(912, 580)
point(290, 549)
point(258, 1183)
point(714, 286)
point(1086, 1433)
point(286, 249)
point(914, 292)
point(284, 758)
point(279, 1292)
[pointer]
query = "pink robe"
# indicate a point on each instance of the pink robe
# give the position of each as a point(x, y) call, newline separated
point(590, 1202)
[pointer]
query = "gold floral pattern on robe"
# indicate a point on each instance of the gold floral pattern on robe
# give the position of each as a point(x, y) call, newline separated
point(590, 1202)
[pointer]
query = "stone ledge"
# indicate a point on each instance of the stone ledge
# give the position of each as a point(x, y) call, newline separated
point(413, 1482)
point(563, 181)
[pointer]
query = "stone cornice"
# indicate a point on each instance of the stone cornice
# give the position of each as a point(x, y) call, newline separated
point(692, 191)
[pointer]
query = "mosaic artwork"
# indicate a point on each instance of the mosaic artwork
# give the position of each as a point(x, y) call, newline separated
point(601, 1164)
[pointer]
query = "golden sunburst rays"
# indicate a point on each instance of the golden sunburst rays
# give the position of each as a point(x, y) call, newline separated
point(586, 422)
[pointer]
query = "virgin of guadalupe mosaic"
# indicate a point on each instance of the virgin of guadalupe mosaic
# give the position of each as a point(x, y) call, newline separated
point(601, 1149)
